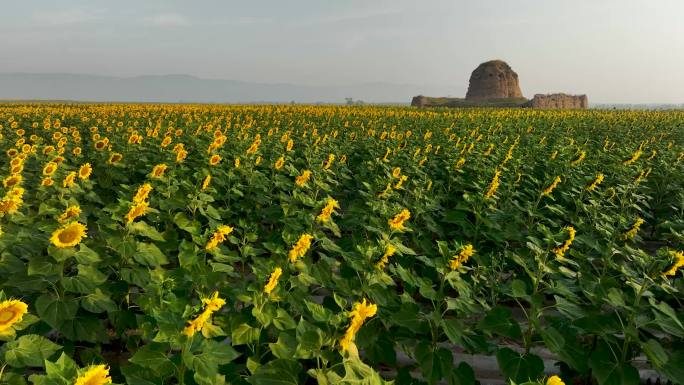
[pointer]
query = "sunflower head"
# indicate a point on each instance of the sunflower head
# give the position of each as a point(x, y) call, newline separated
point(95, 375)
point(69, 235)
point(11, 312)
point(214, 159)
point(85, 171)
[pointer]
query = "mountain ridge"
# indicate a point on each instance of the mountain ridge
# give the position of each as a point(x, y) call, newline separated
point(189, 88)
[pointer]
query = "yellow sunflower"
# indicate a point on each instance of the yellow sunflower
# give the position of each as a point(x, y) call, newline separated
point(206, 182)
point(69, 235)
point(95, 375)
point(136, 211)
point(69, 180)
point(70, 213)
point(214, 160)
point(12, 180)
point(158, 170)
point(49, 168)
point(115, 158)
point(84, 171)
point(11, 312)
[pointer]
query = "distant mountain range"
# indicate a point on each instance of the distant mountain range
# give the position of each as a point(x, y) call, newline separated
point(185, 88)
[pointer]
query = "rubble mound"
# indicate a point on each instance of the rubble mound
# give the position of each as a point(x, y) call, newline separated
point(494, 79)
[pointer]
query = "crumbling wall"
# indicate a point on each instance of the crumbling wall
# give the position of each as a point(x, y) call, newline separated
point(560, 101)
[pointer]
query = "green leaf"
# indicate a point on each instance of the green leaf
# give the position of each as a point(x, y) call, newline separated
point(53, 311)
point(552, 339)
point(64, 368)
point(153, 356)
point(244, 334)
point(284, 347)
point(519, 288)
point(499, 321)
point(187, 254)
point(655, 353)
point(86, 255)
point(277, 372)
point(29, 350)
point(462, 375)
point(219, 352)
point(357, 372)
point(283, 320)
point(98, 302)
point(149, 254)
point(609, 372)
point(674, 368)
point(519, 367)
point(309, 338)
point(453, 329)
point(182, 221)
point(319, 313)
point(434, 364)
point(142, 228)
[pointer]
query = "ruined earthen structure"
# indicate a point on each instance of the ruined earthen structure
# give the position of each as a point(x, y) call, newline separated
point(494, 79)
point(420, 101)
point(558, 101)
point(495, 84)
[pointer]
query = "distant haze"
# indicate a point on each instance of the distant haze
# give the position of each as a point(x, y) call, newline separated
point(616, 51)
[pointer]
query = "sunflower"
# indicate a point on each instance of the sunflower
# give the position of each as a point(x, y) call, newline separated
point(158, 170)
point(389, 251)
point(466, 252)
point(76, 151)
point(12, 180)
point(301, 247)
point(329, 162)
point(273, 280)
point(95, 375)
point(279, 163)
point(397, 222)
point(69, 213)
point(84, 171)
point(11, 312)
point(136, 211)
point(47, 182)
point(143, 193)
point(49, 168)
point(328, 210)
point(206, 182)
point(10, 205)
point(115, 157)
point(166, 141)
point(69, 180)
point(554, 380)
point(218, 237)
point(359, 314)
point(69, 235)
point(211, 305)
point(181, 155)
point(214, 160)
point(301, 180)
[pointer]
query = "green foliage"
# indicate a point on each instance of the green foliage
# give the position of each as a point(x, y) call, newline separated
point(148, 298)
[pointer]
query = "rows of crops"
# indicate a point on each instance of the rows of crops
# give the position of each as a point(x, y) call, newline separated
point(174, 244)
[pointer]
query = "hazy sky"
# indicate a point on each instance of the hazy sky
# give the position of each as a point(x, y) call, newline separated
point(613, 50)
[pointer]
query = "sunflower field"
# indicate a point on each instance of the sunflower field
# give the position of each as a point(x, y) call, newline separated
point(203, 244)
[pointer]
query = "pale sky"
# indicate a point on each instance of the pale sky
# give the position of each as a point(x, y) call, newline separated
point(620, 51)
